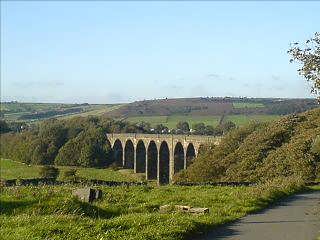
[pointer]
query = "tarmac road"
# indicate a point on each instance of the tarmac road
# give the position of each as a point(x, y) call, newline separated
point(295, 218)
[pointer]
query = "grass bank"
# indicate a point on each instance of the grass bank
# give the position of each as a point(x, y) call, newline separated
point(13, 170)
point(50, 212)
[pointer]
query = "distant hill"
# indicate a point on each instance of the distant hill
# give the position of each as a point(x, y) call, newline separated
point(21, 111)
point(213, 107)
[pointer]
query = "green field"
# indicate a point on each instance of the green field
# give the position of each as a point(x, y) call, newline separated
point(171, 121)
point(240, 120)
point(12, 170)
point(50, 212)
point(247, 105)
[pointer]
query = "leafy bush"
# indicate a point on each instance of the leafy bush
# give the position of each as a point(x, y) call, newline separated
point(49, 172)
point(69, 174)
point(88, 149)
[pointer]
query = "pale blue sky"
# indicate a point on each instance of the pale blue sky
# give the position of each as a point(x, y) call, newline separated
point(106, 52)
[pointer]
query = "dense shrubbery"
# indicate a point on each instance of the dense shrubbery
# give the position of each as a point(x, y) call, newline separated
point(89, 148)
point(75, 142)
point(288, 147)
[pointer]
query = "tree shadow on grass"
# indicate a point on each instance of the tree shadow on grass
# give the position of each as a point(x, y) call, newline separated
point(10, 207)
point(92, 211)
point(70, 206)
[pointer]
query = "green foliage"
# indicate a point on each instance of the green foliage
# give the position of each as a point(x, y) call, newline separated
point(261, 152)
point(4, 128)
point(74, 142)
point(160, 128)
point(309, 57)
point(69, 174)
point(88, 149)
point(183, 127)
point(49, 172)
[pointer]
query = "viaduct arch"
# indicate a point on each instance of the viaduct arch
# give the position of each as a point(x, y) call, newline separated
point(159, 156)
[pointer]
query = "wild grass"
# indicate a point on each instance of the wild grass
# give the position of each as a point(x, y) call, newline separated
point(50, 212)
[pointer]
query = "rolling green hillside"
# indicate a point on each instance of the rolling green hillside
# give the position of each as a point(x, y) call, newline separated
point(16, 111)
point(213, 107)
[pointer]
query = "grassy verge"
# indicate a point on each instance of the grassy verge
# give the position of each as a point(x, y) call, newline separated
point(129, 212)
point(12, 170)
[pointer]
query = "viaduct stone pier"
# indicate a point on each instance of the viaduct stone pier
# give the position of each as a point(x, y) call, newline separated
point(159, 156)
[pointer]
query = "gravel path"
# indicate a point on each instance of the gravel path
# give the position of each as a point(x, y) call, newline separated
point(296, 218)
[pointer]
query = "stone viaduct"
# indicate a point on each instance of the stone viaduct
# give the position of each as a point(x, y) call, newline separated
point(159, 156)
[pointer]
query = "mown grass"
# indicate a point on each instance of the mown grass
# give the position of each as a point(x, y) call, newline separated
point(171, 121)
point(50, 212)
point(247, 105)
point(13, 170)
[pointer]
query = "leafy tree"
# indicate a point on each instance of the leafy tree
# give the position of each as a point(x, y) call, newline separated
point(183, 126)
point(160, 128)
point(199, 128)
point(209, 130)
point(224, 127)
point(70, 174)
point(309, 57)
point(88, 149)
point(4, 128)
point(143, 127)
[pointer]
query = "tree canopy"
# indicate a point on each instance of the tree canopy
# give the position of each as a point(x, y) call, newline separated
point(308, 55)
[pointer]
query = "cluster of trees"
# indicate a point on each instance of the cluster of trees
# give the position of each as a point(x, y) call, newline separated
point(12, 126)
point(78, 141)
point(258, 152)
point(202, 129)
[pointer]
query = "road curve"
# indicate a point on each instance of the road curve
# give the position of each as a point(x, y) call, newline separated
point(295, 218)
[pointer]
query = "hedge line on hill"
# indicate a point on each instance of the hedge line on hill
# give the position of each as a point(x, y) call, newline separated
point(258, 152)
